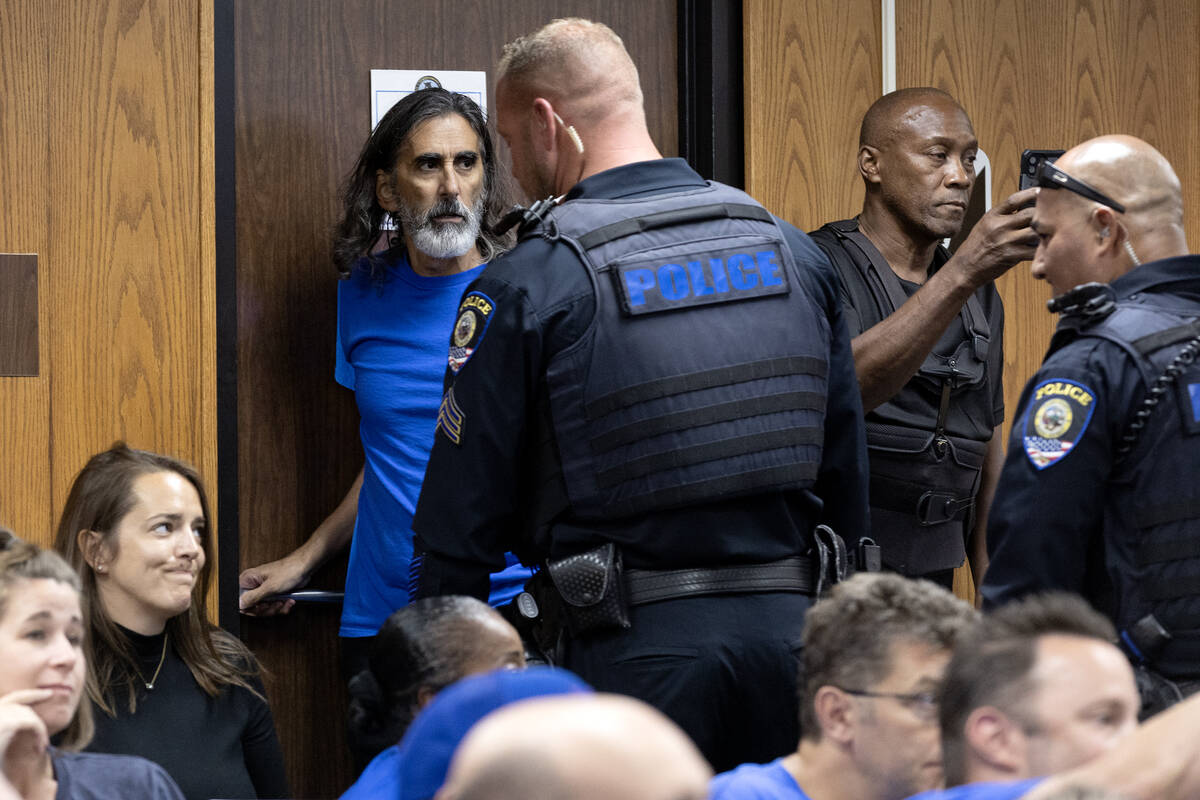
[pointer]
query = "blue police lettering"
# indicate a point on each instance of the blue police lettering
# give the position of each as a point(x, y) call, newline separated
point(638, 281)
point(673, 282)
point(699, 282)
point(720, 282)
point(768, 267)
point(738, 272)
point(742, 272)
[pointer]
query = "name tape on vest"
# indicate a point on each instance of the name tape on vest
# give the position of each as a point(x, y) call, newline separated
point(700, 279)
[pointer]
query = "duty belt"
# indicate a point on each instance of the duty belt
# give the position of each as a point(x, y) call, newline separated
point(794, 574)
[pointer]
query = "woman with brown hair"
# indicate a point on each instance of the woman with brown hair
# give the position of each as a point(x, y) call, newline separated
point(135, 527)
point(42, 670)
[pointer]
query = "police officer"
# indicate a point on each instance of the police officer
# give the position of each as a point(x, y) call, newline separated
point(928, 328)
point(1098, 494)
point(658, 374)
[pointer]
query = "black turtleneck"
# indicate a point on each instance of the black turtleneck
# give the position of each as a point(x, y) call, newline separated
point(223, 746)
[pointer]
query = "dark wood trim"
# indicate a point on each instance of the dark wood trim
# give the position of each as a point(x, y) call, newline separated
point(711, 121)
point(224, 167)
point(19, 315)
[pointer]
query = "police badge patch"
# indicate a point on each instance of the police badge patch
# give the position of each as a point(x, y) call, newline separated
point(473, 315)
point(1059, 413)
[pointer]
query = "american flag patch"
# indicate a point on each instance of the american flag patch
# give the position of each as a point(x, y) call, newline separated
point(1059, 412)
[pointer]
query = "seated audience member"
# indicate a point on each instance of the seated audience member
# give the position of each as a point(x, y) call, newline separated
point(1040, 688)
point(1158, 761)
point(595, 747)
point(874, 652)
point(416, 768)
point(42, 669)
point(420, 650)
point(167, 684)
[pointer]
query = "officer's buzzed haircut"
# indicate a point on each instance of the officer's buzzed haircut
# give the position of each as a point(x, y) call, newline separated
point(992, 666)
point(568, 59)
point(879, 123)
point(849, 635)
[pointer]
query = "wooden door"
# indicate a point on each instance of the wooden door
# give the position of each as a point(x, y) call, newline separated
point(302, 88)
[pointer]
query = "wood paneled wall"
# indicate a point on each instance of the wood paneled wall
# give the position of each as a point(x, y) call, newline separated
point(811, 71)
point(302, 94)
point(106, 173)
point(1051, 75)
point(1030, 73)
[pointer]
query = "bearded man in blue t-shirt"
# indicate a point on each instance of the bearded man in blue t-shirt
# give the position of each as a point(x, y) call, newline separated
point(426, 184)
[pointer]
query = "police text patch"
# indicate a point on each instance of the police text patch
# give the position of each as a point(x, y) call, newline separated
point(1058, 414)
point(701, 279)
point(450, 417)
point(474, 312)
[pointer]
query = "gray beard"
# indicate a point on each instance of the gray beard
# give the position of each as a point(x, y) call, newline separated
point(443, 240)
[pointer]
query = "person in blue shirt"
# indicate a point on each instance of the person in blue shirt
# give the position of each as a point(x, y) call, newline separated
point(874, 651)
point(421, 649)
point(1037, 703)
point(577, 746)
point(430, 167)
point(415, 768)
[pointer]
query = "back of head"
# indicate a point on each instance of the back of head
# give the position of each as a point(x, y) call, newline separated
point(421, 649)
point(598, 747)
point(578, 65)
point(22, 561)
point(425, 751)
point(993, 665)
point(849, 635)
point(1137, 175)
point(363, 218)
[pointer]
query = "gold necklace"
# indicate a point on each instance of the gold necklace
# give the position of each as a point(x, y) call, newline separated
point(158, 669)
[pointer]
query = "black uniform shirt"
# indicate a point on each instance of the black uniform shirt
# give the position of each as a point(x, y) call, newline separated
point(1045, 529)
point(478, 492)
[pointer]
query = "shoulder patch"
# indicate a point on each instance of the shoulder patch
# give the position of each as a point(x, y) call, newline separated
point(474, 313)
point(1059, 412)
point(450, 417)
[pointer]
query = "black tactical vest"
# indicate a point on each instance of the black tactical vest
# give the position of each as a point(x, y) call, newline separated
point(702, 375)
point(1152, 500)
point(923, 480)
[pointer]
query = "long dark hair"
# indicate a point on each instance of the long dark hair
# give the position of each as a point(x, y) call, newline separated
point(100, 497)
point(361, 225)
point(425, 645)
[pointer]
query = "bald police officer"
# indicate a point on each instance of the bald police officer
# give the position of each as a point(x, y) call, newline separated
point(1098, 493)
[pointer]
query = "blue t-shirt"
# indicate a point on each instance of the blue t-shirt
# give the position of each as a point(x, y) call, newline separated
point(756, 782)
point(392, 347)
point(995, 790)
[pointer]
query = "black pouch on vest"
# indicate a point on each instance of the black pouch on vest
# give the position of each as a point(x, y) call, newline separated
point(591, 588)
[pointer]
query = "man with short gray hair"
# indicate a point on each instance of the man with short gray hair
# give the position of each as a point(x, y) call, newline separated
point(874, 651)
